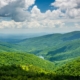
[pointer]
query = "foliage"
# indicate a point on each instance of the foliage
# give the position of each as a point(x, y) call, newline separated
point(14, 72)
point(9, 58)
point(71, 68)
point(18, 63)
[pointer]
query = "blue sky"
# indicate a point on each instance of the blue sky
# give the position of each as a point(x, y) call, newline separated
point(37, 16)
point(44, 5)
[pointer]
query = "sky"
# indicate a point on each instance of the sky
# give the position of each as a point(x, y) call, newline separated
point(37, 16)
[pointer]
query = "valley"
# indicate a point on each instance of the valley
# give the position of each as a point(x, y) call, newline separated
point(56, 55)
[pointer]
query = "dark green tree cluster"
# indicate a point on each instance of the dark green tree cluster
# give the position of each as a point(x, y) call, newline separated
point(14, 72)
point(71, 68)
point(10, 58)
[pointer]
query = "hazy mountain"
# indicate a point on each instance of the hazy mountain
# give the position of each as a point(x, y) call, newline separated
point(53, 56)
point(53, 47)
point(14, 38)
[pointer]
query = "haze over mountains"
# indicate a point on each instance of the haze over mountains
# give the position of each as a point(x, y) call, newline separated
point(53, 52)
point(47, 45)
point(39, 39)
point(16, 37)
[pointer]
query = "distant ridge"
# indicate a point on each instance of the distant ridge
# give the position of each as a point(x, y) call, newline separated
point(53, 47)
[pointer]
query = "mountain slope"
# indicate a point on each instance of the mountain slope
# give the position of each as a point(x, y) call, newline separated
point(66, 51)
point(53, 47)
point(71, 68)
point(10, 58)
point(40, 43)
point(14, 72)
point(7, 47)
point(62, 49)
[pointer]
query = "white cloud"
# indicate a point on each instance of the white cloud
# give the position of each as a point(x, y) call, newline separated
point(10, 24)
point(17, 3)
point(77, 25)
point(22, 18)
point(32, 24)
point(65, 4)
point(21, 15)
point(70, 8)
point(16, 9)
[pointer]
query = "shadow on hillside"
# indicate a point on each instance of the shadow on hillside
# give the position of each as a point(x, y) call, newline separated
point(17, 73)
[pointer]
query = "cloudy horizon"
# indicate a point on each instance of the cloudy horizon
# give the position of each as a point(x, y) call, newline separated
point(24, 16)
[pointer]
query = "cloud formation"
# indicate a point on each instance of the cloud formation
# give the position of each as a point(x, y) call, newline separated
point(16, 9)
point(70, 8)
point(65, 11)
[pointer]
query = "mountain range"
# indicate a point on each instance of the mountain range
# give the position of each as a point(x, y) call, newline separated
point(54, 52)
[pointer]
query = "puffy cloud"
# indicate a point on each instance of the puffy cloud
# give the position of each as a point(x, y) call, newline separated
point(22, 18)
point(70, 8)
point(32, 24)
point(21, 15)
point(65, 4)
point(36, 14)
point(10, 24)
point(16, 9)
point(73, 13)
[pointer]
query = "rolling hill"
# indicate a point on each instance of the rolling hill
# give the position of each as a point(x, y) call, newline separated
point(53, 47)
point(19, 66)
point(71, 68)
point(49, 57)
point(10, 58)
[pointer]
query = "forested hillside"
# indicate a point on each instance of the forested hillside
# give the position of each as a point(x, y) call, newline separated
point(53, 47)
point(10, 58)
point(71, 68)
point(49, 57)
point(31, 73)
